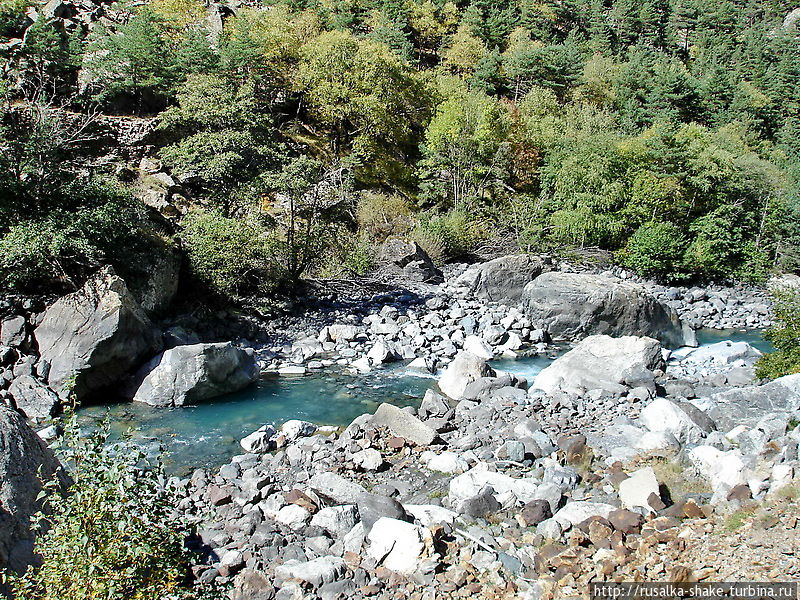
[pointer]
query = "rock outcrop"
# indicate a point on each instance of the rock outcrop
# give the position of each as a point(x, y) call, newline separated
point(93, 337)
point(24, 458)
point(573, 305)
point(502, 279)
point(408, 261)
point(189, 374)
point(600, 362)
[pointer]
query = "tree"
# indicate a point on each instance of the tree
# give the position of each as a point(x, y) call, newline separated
point(784, 335)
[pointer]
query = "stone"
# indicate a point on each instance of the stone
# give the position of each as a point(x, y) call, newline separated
point(463, 370)
point(501, 279)
point(403, 424)
point(625, 520)
point(408, 261)
point(186, 375)
point(336, 520)
point(722, 353)
point(723, 470)
point(397, 545)
point(574, 305)
point(317, 572)
point(433, 405)
point(34, 398)
point(295, 429)
point(600, 362)
point(13, 332)
point(684, 421)
point(250, 584)
point(342, 333)
point(478, 347)
point(747, 405)
point(473, 481)
point(372, 507)
point(368, 460)
point(444, 462)
point(429, 515)
point(534, 512)
point(260, 441)
point(25, 461)
point(93, 337)
point(634, 492)
point(293, 516)
point(578, 511)
point(336, 488)
point(481, 504)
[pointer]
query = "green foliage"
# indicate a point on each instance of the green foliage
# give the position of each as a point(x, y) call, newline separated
point(113, 534)
point(655, 249)
point(784, 336)
point(12, 16)
point(449, 236)
point(233, 257)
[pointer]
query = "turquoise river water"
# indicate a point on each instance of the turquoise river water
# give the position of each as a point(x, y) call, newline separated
point(208, 434)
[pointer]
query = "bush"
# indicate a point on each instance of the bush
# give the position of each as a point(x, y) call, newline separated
point(65, 247)
point(112, 534)
point(12, 16)
point(449, 236)
point(232, 256)
point(382, 216)
point(784, 335)
point(655, 250)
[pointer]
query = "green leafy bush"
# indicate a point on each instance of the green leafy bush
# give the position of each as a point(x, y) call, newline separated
point(784, 335)
point(232, 256)
point(448, 236)
point(655, 249)
point(12, 15)
point(113, 534)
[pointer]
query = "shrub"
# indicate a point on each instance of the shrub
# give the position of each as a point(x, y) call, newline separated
point(12, 16)
point(382, 216)
point(448, 236)
point(784, 335)
point(655, 250)
point(232, 256)
point(113, 534)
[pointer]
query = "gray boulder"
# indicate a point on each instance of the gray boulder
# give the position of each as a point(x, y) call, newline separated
point(574, 305)
point(93, 337)
point(403, 424)
point(501, 279)
point(33, 398)
point(465, 368)
point(23, 460)
point(747, 405)
point(189, 374)
point(409, 261)
point(604, 363)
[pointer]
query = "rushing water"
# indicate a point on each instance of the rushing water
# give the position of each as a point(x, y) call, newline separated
point(208, 434)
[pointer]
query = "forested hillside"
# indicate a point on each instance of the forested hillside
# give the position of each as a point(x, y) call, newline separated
point(299, 134)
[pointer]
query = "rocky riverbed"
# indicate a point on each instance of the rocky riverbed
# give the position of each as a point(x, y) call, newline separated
point(598, 468)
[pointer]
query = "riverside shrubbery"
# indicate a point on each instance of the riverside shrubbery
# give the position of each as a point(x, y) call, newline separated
point(784, 335)
point(113, 534)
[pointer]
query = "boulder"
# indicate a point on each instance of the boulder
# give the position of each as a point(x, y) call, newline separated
point(336, 520)
point(723, 470)
point(407, 260)
point(723, 353)
point(336, 488)
point(189, 374)
point(574, 305)
point(24, 460)
point(463, 370)
point(403, 424)
point(399, 546)
point(747, 405)
point(260, 441)
point(577, 512)
point(502, 279)
point(686, 422)
point(317, 572)
point(635, 491)
point(93, 337)
point(373, 507)
point(34, 398)
point(13, 332)
point(472, 482)
point(604, 363)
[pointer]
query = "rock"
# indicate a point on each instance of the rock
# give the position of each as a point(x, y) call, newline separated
point(625, 520)
point(399, 546)
point(252, 585)
point(293, 516)
point(746, 405)
point(723, 353)
point(534, 512)
point(160, 266)
point(188, 374)
point(577, 512)
point(368, 460)
point(295, 429)
point(93, 337)
point(473, 481)
point(444, 462)
point(324, 569)
point(573, 305)
point(636, 489)
point(724, 470)
point(336, 520)
point(24, 461)
point(409, 261)
point(12, 332)
point(685, 422)
point(260, 441)
point(403, 424)
point(433, 405)
point(476, 346)
point(501, 279)
point(429, 515)
point(481, 505)
point(373, 507)
point(465, 368)
point(336, 488)
point(34, 398)
point(600, 362)
point(342, 333)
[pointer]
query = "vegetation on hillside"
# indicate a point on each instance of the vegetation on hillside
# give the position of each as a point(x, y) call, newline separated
point(784, 336)
point(666, 131)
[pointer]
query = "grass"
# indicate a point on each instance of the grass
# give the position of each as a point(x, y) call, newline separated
point(736, 520)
